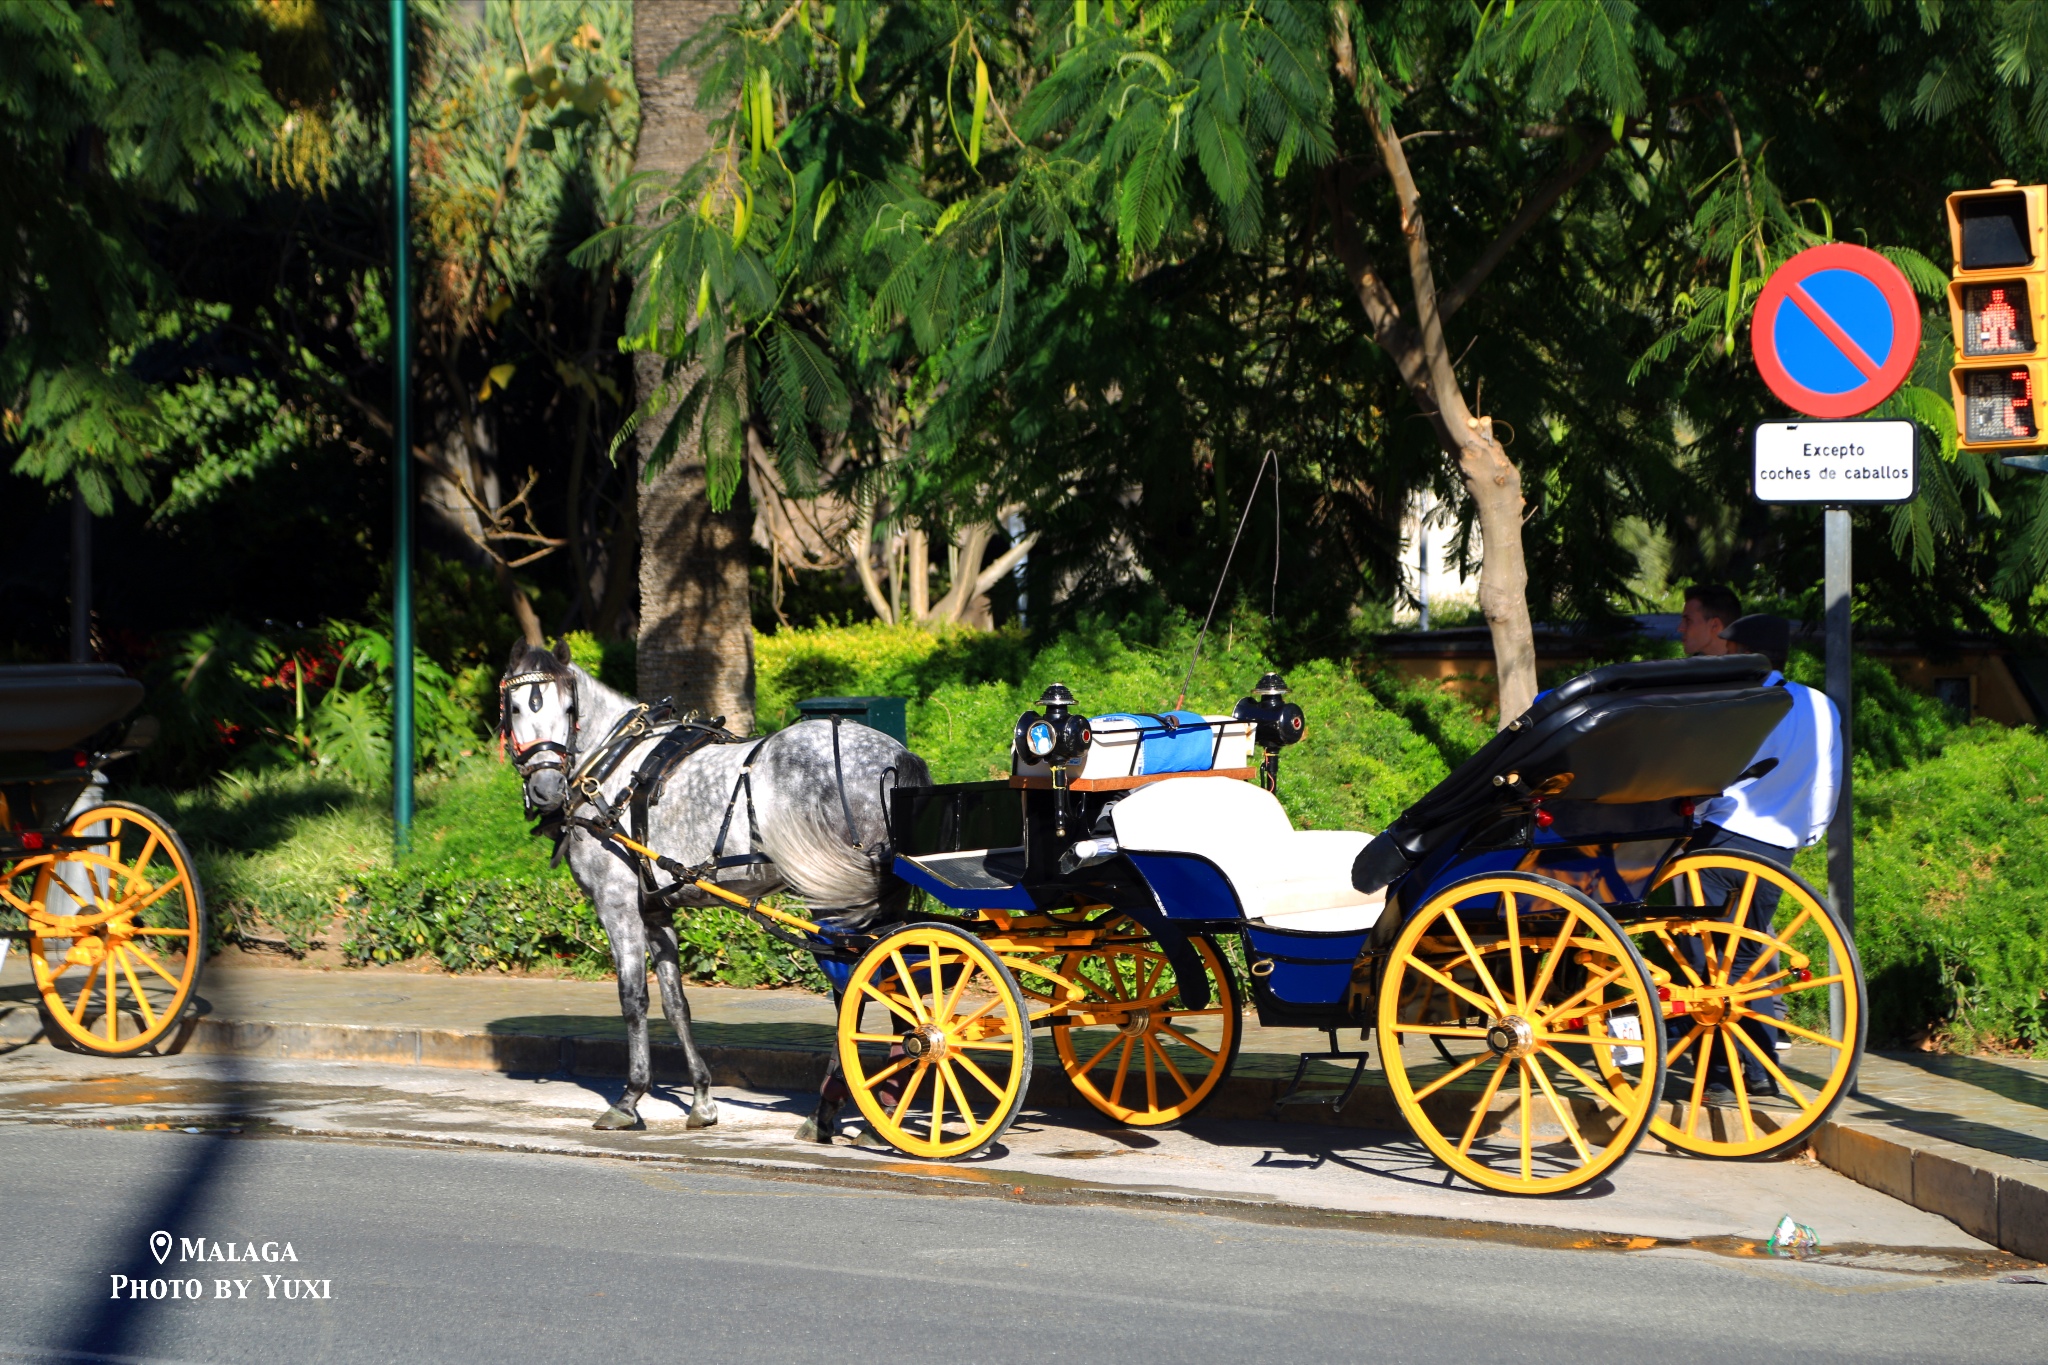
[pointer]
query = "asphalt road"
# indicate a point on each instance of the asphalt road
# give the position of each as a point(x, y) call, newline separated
point(465, 1255)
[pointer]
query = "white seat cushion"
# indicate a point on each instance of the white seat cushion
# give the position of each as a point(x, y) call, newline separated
point(1284, 877)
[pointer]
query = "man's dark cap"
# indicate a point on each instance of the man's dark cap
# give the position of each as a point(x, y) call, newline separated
point(1770, 636)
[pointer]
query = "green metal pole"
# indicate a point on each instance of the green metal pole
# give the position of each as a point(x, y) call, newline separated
point(401, 457)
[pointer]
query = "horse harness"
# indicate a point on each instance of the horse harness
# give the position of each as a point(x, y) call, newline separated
point(677, 740)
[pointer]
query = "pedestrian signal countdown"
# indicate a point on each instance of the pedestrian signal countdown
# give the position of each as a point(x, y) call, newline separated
point(1998, 306)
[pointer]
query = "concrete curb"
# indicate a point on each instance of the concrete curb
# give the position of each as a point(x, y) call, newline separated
point(2000, 1199)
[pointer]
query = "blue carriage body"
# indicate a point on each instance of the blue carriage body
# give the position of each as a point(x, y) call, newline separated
point(1594, 786)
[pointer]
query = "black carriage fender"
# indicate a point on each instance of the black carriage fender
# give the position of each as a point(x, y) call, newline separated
point(1173, 941)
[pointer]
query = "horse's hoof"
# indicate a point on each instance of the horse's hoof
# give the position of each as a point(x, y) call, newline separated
point(809, 1131)
point(615, 1120)
point(701, 1116)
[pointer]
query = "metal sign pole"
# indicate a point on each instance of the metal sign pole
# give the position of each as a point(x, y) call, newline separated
point(401, 455)
point(1841, 829)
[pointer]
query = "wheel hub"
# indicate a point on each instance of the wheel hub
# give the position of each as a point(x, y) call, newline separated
point(1136, 1023)
point(926, 1042)
point(1710, 1011)
point(1511, 1036)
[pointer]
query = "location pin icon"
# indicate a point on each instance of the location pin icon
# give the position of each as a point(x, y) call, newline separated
point(160, 1245)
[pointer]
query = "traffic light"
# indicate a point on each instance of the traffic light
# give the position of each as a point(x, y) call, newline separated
point(1998, 304)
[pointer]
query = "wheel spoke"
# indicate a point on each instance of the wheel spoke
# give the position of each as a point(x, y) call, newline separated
point(1792, 988)
point(1572, 1003)
point(1807, 1034)
point(959, 1096)
point(900, 1064)
point(1770, 1064)
point(85, 992)
point(141, 1000)
point(975, 1071)
point(1485, 1105)
point(1151, 1072)
point(139, 869)
point(909, 1091)
point(1440, 1082)
point(1679, 1048)
point(1472, 953)
point(1557, 1106)
point(1700, 1064)
point(1683, 960)
point(149, 960)
point(1586, 1079)
point(1441, 1030)
point(1175, 1033)
point(1735, 1081)
point(1564, 940)
point(1515, 951)
point(1779, 943)
point(1522, 1078)
point(908, 985)
point(1123, 1067)
point(1453, 987)
point(153, 897)
point(1089, 1065)
point(1172, 1070)
point(867, 988)
point(968, 972)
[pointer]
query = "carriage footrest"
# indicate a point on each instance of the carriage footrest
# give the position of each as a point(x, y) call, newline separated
point(1334, 1053)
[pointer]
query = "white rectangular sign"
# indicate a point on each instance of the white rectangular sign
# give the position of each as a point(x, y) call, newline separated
point(1836, 463)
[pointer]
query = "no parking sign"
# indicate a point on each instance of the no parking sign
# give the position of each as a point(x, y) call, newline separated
point(1836, 331)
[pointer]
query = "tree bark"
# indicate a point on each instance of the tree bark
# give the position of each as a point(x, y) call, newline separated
point(696, 627)
point(1423, 357)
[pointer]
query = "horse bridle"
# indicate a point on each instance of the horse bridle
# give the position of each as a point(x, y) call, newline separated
point(542, 754)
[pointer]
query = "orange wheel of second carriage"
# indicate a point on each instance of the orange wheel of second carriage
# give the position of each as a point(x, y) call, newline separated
point(1731, 986)
point(1132, 1044)
point(117, 930)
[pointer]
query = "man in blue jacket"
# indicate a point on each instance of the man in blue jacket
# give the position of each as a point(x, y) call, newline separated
point(1783, 809)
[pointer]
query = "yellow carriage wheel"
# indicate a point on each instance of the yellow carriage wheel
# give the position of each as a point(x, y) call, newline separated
point(1712, 1009)
point(935, 1041)
point(1130, 1044)
point(117, 931)
point(1539, 1000)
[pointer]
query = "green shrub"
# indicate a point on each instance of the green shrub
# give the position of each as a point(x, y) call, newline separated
point(1952, 892)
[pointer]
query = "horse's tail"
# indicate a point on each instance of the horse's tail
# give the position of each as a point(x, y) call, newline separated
point(825, 820)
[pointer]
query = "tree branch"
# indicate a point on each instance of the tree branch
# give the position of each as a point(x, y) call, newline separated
point(1538, 206)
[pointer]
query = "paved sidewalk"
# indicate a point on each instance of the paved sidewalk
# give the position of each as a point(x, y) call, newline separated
point(1964, 1138)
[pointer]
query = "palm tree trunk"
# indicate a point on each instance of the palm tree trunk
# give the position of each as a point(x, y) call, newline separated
point(696, 630)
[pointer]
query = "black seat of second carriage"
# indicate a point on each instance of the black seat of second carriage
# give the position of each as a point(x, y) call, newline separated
point(1603, 747)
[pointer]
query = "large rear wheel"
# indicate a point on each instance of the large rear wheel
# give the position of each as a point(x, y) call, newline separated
point(1538, 1000)
point(117, 930)
point(1733, 1092)
point(935, 1041)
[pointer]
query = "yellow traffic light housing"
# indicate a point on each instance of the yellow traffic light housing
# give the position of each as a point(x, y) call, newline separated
point(1998, 308)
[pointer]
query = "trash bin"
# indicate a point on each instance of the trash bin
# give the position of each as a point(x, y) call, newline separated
point(877, 713)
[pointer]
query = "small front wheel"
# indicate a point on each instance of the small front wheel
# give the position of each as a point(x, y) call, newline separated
point(935, 1041)
point(1539, 1001)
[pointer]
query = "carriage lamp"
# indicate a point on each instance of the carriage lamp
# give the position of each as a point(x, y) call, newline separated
point(1057, 739)
point(1276, 723)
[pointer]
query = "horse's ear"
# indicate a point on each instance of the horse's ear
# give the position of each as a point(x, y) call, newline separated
point(561, 650)
point(518, 656)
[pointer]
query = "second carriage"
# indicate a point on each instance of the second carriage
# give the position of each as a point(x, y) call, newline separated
point(1552, 963)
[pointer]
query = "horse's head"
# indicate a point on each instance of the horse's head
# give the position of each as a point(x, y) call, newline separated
point(537, 721)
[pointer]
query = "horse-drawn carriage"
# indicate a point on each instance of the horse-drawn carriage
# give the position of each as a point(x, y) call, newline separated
point(1535, 943)
point(101, 892)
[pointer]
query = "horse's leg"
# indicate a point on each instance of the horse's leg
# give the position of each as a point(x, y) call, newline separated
point(629, 956)
point(661, 934)
point(833, 1094)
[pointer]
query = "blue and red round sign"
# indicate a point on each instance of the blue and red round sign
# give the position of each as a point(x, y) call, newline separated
point(1836, 330)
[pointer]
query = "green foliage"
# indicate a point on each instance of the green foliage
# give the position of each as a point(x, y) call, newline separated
point(1952, 893)
point(229, 696)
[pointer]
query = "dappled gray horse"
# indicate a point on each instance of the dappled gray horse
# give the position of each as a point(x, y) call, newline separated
point(801, 810)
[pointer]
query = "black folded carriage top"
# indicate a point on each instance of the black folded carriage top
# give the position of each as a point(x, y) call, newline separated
point(1628, 734)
